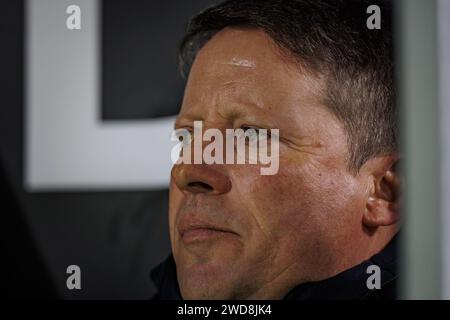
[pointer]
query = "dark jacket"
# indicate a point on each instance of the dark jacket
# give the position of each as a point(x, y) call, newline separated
point(350, 284)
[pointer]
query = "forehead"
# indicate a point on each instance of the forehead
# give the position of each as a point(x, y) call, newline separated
point(248, 54)
point(247, 49)
point(247, 62)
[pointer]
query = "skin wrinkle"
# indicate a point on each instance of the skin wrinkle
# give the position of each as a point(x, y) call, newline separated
point(305, 223)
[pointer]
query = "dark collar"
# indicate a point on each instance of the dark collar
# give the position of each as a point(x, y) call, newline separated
point(164, 276)
point(350, 284)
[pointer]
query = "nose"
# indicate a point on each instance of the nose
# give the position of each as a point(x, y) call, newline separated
point(201, 178)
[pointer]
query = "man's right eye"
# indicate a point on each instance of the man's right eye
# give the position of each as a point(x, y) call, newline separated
point(184, 134)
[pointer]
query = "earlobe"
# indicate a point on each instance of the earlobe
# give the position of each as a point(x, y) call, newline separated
point(380, 212)
point(383, 201)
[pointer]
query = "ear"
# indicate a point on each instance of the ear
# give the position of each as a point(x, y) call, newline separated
point(384, 191)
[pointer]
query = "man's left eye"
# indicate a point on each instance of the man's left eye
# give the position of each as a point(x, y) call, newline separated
point(254, 133)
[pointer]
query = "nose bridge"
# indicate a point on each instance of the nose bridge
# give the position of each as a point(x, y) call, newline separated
point(201, 178)
point(199, 141)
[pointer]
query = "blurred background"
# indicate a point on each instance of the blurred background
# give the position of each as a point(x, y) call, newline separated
point(85, 123)
point(78, 108)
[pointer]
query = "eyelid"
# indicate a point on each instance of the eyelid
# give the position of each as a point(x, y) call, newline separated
point(257, 128)
point(184, 123)
point(190, 128)
point(182, 126)
point(247, 126)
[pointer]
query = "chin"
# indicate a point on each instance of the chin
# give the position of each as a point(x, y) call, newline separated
point(199, 288)
point(204, 281)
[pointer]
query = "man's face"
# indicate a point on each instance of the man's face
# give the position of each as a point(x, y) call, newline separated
point(276, 230)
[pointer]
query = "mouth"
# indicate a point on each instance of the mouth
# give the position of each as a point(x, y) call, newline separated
point(200, 234)
point(194, 232)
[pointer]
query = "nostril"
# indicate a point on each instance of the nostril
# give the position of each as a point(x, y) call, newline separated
point(198, 186)
point(198, 179)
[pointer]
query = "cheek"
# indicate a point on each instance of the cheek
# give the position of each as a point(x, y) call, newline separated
point(287, 199)
point(299, 197)
point(175, 199)
point(276, 203)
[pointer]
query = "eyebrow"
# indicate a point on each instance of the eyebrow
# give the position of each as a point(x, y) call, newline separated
point(179, 121)
point(239, 107)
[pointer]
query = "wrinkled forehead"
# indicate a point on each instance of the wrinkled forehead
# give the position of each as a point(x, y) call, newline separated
point(244, 51)
point(247, 63)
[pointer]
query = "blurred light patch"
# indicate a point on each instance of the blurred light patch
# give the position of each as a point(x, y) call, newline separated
point(67, 146)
